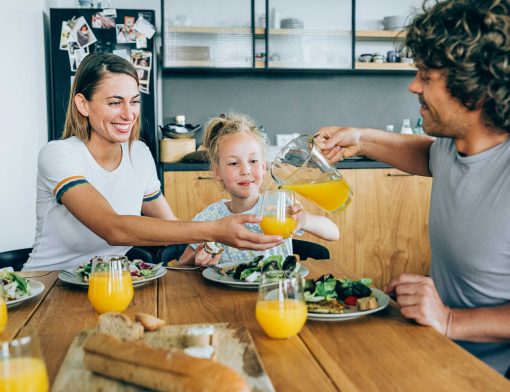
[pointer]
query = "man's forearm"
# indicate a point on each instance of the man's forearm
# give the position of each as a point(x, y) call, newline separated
point(488, 324)
point(409, 153)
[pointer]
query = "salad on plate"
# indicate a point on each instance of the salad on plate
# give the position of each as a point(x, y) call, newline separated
point(138, 269)
point(330, 295)
point(251, 271)
point(14, 286)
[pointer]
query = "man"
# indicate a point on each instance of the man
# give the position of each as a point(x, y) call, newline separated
point(462, 53)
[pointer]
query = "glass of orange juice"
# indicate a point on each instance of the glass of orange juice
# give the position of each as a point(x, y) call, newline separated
point(276, 213)
point(281, 308)
point(301, 167)
point(110, 284)
point(3, 313)
point(22, 367)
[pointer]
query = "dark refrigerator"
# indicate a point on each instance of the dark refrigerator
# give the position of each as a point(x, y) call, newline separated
point(129, 33)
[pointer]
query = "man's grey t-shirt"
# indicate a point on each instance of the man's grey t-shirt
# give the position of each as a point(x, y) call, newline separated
point(469, 229)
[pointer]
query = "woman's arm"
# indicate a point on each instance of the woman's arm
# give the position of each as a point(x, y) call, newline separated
point(158, 208)
point(94, 211)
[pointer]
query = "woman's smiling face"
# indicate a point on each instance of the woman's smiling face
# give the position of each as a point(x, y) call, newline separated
point(114, 108)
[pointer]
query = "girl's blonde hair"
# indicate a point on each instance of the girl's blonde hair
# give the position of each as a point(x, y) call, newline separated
point(223, 126)
point(94, 68)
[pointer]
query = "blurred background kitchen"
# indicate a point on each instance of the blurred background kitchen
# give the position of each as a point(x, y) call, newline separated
point(308, 71)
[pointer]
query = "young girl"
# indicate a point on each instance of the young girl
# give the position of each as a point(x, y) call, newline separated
point(236, 149)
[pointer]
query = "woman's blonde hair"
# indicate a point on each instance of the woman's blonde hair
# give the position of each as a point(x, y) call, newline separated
point(90, 74)
point(223, 126)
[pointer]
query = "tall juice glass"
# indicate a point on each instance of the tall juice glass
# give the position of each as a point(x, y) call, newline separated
point(110, 284)
point(301, 167)
point(22, 368)
point(3, 314)
point(281, 308)
point(276, 213)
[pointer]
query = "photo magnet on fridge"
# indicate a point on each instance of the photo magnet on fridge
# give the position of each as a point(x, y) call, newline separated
point(82, 33)
point(101, 21)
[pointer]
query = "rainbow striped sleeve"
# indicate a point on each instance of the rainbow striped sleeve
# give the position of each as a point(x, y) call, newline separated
point(66, 184)
point(152, 196)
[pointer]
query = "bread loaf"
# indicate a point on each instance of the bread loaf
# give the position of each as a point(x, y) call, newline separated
point(149, 322)
point(158, 368)
point(118, 324)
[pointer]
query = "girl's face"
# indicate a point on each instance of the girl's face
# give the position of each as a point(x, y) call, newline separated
point(241, 165)
point(113, 109)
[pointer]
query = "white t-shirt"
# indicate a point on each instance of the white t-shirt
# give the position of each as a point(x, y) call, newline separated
point(63, 242)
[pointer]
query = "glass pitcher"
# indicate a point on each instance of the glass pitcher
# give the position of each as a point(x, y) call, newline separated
point(301, 167)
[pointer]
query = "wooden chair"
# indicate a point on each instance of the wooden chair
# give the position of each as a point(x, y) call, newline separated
point(14, 258)
point(312, 250)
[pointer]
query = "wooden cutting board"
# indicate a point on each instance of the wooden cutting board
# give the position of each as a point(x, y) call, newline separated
point(235, 349)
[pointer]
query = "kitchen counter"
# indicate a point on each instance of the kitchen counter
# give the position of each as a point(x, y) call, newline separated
point(350, 163)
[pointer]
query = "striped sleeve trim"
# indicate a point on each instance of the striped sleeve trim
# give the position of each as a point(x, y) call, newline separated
point(152, 196)
point(66, 184)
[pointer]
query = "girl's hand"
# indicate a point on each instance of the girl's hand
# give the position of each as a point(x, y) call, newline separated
point(298, 213)
point(203, 258)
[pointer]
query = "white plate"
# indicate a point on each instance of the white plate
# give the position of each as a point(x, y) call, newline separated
point(228, 280)
point(183, 268)
point(382, 299)
point(35, 287)
point(72, 278)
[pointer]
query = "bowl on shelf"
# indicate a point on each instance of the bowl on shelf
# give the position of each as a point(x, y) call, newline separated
point(171, 131)
point(394, 22)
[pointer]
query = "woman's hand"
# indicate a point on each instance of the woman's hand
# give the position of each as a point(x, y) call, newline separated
point(339, 143)
point(203, 258)
point(232, 231)
point(419, 300)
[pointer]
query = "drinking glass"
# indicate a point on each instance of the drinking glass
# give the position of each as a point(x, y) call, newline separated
point(281, 308)
point(3, 314)
point(110, 284)
point(300, 166)
point(22, 367)
point(276, 213)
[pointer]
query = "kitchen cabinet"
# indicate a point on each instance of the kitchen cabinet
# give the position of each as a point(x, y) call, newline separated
point(383, 233)
point(259, 35)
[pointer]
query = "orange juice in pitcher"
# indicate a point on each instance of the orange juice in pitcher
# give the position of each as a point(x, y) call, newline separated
point(301, 167)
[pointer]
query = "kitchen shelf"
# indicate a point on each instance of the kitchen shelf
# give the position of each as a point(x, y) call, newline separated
point(385, 66)
point(212, 30)
point(379, 35)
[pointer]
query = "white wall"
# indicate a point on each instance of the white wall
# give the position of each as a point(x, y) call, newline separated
point(24, 110)
point(23, 118)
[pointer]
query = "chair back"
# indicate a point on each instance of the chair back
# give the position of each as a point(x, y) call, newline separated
point(14, 258)
point(312, 250)
point(171, 252)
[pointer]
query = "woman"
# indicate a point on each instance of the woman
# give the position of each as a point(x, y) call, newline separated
point(93, 184)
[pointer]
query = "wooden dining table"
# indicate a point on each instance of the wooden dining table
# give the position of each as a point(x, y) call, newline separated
point(377, 352)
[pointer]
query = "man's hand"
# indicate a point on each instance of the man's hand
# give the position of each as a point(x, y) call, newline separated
point(419, 300)
point(339, 143)
point(233, 232)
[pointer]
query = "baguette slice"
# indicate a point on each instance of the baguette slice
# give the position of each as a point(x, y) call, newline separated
point(200, 336)
point(120, 325)
point(149, 322)
point(158, 368)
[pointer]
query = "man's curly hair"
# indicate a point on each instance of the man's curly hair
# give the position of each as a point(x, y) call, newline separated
point(470, 39)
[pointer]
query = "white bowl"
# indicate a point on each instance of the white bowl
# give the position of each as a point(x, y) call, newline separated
point(395, 22)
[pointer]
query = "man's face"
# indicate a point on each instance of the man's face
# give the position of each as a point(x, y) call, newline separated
point(443, 115)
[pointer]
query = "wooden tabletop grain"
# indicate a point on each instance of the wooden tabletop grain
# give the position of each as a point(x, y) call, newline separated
point(378, 352)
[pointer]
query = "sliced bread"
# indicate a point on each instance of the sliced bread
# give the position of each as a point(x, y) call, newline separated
point(119, 325)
